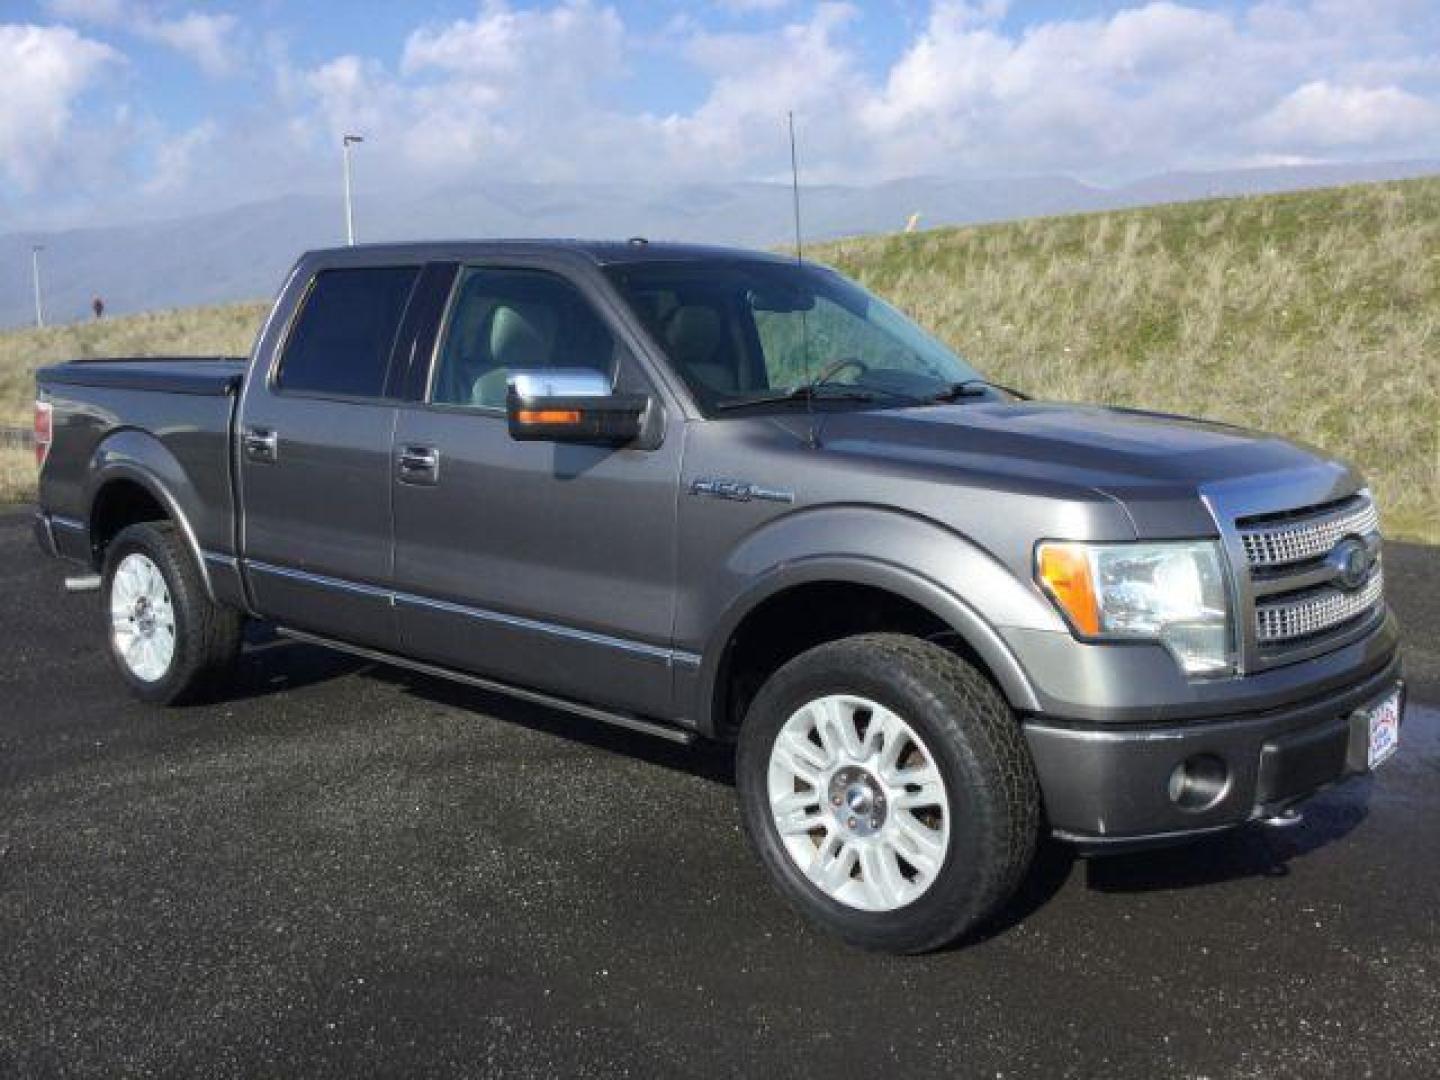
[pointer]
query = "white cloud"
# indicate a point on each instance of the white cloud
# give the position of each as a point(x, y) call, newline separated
point(43, 73)
point(562, 90)
point(208, 40)
point(176, 159)
point(1323, 115)
point(1161, 85)
point(510, 88)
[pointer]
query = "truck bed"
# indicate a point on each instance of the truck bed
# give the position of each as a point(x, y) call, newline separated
point(218, 375)
point(111, 412)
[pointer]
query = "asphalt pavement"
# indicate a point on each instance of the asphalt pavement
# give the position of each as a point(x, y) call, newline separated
point(345, 869)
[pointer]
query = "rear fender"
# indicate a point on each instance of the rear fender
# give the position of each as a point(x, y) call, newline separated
point(141, 458)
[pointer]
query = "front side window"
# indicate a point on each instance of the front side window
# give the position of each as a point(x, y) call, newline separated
point(505, 320)
point(340, 345)
point(750, 329)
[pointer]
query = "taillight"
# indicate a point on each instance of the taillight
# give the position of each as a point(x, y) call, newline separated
point(44, 431)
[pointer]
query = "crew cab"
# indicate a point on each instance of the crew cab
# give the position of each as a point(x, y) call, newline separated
point(715, 494)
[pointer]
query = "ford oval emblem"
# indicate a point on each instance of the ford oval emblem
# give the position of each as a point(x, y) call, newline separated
point(1351, 560)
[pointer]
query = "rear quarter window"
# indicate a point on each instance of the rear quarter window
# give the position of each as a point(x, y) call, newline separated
point(341, 342)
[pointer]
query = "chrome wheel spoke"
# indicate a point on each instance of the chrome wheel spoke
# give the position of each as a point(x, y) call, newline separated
point(885, 885)
point(800, 813)
point(920, 846)
point(835, 724)
point(799, 757)
point(918, 788)
point(833, 861)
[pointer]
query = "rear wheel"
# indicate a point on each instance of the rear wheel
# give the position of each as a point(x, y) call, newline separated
point(888, 790)
point(168, 640)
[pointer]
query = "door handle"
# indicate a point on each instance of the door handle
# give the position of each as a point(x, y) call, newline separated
point(419, 465)
point(261, 444)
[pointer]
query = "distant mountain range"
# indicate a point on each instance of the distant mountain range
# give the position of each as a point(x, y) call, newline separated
point(241, 253)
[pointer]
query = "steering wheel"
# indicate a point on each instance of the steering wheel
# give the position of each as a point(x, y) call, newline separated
point(830, 370)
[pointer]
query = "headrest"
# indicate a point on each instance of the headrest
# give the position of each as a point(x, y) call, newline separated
point(693, 334)
point(521, 338)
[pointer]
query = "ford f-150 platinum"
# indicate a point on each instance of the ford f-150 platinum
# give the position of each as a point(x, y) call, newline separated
point(725, 495)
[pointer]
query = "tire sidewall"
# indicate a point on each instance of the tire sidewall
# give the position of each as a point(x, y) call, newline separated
point(965, 884)
point(147, 541)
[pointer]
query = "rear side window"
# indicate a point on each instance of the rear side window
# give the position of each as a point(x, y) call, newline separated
point(342, 339)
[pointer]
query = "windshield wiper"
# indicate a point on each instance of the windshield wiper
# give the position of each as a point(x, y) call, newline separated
point(803, 392)
point(968, 388)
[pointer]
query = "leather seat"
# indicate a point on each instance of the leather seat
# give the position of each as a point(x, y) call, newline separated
point(507, 337)
point(694, 338)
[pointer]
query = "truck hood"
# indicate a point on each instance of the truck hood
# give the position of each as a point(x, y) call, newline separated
point(1087, 444)
point(1153, 463)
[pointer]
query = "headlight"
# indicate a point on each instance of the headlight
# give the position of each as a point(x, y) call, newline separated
point(1173, 593)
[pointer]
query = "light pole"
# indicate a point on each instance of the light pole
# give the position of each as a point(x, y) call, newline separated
point(35, 250)
point(346, 142)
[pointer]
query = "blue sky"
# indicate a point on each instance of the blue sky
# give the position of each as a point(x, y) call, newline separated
point(123, 108)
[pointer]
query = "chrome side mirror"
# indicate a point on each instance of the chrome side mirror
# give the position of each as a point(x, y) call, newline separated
point(576, 405)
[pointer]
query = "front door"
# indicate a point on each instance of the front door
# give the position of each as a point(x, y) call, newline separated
point(541, 564)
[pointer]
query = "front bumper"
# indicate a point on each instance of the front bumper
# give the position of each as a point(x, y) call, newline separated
point(1108, 786)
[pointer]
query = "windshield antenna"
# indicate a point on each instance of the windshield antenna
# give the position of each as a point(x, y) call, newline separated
point(795, 187)
point(812, 438)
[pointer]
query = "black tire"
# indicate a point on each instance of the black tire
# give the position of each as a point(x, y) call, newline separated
point(995, 805)
point(207, 635)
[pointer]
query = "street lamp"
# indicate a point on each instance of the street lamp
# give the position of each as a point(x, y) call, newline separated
point(346, 142)
point(35, 250)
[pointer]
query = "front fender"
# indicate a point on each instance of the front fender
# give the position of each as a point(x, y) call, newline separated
point(915, 558)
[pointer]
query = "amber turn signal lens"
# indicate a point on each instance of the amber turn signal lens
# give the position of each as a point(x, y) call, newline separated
point(1064, 571)
point(548, 416)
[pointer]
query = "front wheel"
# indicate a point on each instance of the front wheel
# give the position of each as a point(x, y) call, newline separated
point(888, 790)
point(168, 639)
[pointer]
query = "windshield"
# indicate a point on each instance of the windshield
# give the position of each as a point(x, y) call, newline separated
point(740, 330)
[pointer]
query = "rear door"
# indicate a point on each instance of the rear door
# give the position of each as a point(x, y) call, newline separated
point(314, 459)
point(542, 564)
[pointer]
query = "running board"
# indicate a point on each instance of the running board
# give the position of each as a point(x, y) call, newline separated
point(535, 697)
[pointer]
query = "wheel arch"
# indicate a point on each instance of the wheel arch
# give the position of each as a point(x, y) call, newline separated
point(906, 596)
point(132, 477)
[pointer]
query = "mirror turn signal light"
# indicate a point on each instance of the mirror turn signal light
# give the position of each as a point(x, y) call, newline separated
point(548, 416)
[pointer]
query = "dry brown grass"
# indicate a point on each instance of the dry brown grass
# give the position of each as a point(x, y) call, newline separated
point(1314, 315)
point(17, 475)
point(199, 331)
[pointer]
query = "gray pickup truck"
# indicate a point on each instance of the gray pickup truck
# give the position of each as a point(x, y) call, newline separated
point(717, 494)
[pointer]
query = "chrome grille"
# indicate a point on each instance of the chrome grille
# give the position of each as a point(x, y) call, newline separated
point(1280, 543)
point(1302, 615)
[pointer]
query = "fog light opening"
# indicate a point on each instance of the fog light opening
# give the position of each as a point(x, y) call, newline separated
point(1199, 782)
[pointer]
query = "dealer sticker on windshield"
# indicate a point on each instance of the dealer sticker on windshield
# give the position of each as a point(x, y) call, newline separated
point(1384, 720)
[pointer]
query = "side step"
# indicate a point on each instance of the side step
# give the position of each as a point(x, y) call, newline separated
point(535, 697)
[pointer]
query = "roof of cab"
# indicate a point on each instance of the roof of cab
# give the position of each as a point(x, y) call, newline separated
point(603, 252)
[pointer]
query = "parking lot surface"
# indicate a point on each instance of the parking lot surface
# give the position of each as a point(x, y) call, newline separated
point(345, 869)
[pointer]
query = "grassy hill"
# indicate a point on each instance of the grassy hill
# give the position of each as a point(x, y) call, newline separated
point(1315, 315)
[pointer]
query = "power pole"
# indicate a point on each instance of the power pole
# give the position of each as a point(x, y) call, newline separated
point(35, 250)
point(346, 142)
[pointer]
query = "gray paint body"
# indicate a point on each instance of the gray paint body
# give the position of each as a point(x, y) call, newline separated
point(616, 577)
